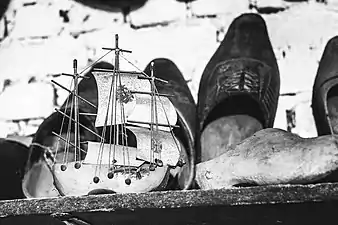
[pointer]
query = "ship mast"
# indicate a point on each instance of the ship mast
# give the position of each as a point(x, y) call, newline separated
point(115, 92)
point(76, 115)
point(116, 95)
point(118, 91)
point(74, 108)
point(155, 142)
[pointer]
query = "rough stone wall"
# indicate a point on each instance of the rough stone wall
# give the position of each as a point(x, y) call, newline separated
point(40, 38)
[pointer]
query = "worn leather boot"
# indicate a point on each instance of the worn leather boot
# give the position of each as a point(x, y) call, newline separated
point(241, 79)
point(13, 158)
point(325, 91)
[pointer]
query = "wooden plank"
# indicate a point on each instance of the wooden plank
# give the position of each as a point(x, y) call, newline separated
point(264, 195)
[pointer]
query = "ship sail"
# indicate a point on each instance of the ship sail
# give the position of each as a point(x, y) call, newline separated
point(106, 96)
point(136, 105)
point(121, 155)
point(168, 148)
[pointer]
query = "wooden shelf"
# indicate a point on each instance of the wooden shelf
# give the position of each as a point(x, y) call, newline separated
point(277, 204)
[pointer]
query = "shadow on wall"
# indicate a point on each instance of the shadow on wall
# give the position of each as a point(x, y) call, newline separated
point(3, 7)
point(125, 6)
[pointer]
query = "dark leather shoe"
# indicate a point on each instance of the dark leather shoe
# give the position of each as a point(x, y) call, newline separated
point(3, 7)
point(13, 158)
point(325, 90)
point(242, 77)
point(185, 106)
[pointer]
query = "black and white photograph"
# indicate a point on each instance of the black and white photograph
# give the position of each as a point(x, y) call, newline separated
point(168, 112)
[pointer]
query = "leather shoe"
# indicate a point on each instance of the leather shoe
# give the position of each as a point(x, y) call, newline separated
point(325, 90)
point(242, 76)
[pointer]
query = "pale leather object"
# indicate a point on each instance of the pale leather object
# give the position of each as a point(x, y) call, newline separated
point(225, 132)
point(332, 108)
point(271, 156)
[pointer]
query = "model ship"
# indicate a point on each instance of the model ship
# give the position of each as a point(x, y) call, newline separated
point(133, 145)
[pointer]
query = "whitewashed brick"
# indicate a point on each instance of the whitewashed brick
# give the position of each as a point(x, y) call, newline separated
point(22, 101)
point(304, 121)
point(41, 57)
point(158, 11)
point(208, 7)
point(8, 128)
point(85, 19)
point(270, 3)
point(37, 21)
